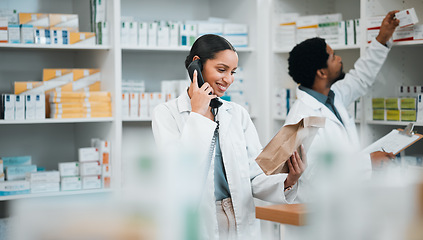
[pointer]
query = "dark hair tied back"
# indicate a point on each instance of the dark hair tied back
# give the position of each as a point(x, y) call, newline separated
point(206, 47)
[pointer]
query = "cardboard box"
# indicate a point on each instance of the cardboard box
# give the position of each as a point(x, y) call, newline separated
point(90, 168)
point(40, 106)
point(64, 21)
point(14, 187)
point(392, 103)
point(7, 107)
point(133, 104)
point(91, 182)
point(407, 17)
point(103, 149)
point(152, 34)
point(82, 38)
point(69, 169)
point(88, 154)
point(23, 87)
point(38, 20)
point(71, 183)
point(125, 104)
point(19, 172)
point(19, 107)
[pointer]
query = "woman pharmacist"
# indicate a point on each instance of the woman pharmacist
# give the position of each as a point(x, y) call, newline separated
point(228, 144)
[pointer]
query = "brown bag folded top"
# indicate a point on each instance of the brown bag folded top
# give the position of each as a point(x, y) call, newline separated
point(273, 157)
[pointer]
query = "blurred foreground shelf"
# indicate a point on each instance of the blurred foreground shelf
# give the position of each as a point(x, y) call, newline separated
point(292, 214)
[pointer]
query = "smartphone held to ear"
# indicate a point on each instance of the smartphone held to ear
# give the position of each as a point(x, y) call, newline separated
point(196, 65)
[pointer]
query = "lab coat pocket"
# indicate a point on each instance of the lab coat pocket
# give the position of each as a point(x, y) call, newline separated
point(242, 159)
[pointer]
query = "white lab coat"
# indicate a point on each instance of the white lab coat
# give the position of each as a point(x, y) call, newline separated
point(335, 135)
point(174, 123)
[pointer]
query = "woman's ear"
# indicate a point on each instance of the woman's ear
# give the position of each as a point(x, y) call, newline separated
point(195, 58)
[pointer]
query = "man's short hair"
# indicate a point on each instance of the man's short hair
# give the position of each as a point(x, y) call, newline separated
point(305, 59)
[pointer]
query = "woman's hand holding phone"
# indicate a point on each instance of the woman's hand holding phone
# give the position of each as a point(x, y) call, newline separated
point(200, 98)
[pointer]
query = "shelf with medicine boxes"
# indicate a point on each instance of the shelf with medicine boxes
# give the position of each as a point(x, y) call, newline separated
point(393, 123)
point(54, 194)
point(334, 47)
point(155, 59)
point(54, 72)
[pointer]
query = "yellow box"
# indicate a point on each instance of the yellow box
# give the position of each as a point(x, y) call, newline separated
point(408, 115)
point(64, 22)
point(38, 20)
point(378, 114)
point(408, 103)
point(378, 103)
point(21, 87)
point(82, 38)
point(58, 74)
point(92, 105)
point(392, 103)
point(393, 115)
point(82, 115)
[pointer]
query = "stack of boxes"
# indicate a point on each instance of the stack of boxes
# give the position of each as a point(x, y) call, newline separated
point(16, 169)
point(69, 176)
point(396, 109)
point(290, 29)
point(41, 182)
point(22, 106)
point(170, 33)
point(407, 30)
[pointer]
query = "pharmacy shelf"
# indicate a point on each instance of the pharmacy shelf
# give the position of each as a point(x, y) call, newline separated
point(405, 43)
point(53, 194)
point(392, 123)
point(136, 119)
point(50, 120)
point(173, 49)
point(46, 46)
point(334, 47)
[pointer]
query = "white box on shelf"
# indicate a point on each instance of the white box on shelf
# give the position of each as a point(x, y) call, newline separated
point(403, 34)
point(192, 33)
point(143, 110)
point(69, 169)
point(174, 34)
point(133, 104)
point(152, 34)
point(3, 29)
point(210, 28)
point(124, 34)
point(42, 187)
point(88, 154)
point(163, 34)
point(30, 106)
point(307, 27)
point(46, 176)
point(420, 108)
point(183, 34)
point(285, 30)
point(125, 104)
point(133, 34)
point(8, 106)
point(27, 34)
point(357, 31)
point(14, 187)
point(40, 106)
point(103, 149)
point(142, 34)
point(14, 33)
point(91, 182)
point(90, 168)
point(71, 183)
point(350, 32)
point(407, 17)
point(19, 172)
point(418, 32)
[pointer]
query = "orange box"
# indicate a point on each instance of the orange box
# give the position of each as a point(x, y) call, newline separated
point(59, 21)
point(82, 38)
point(22, 87)
point(38, 20)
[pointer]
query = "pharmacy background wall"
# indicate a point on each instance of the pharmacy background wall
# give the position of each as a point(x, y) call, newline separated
point(85, 74)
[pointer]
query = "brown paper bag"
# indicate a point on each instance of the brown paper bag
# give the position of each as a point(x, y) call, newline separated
point(273, 157)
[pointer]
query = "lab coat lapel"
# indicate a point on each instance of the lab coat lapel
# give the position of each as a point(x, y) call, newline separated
point(224, 117)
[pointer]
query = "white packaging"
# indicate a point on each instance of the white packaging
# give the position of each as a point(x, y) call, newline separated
point(19, 172)
point(403, 34)
point(285, 30)
point(103, 149)
point(42, 36)
point(407, 17)
point(106, 176)
point(88, 154)
point(14, 33)
point(342, 33)
point(357, 31)
point(307, 27)
point(418, 32)
point(210, 28)
point(236, 34)
point(192, 33)
point(350, 32)
point(142, 34)
point(19, 107)
point(41, 187)
point(143, 110)
point(27, 34)
point(125, 104)
point(90, 168)
point(30, 106)
point(183, 35)
point(8, 107)
point(133, 34)
point(152, 34)
point(420, 108)
point(163, 34)
point(174, 34)
point(47, 176)
point(40, 106)
point(102, 33)
point(69, 169)
point(133, 104)
point(124, 34)
point(91, 182)
point(14, 187)
point(71, 183)
point(3, 29)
